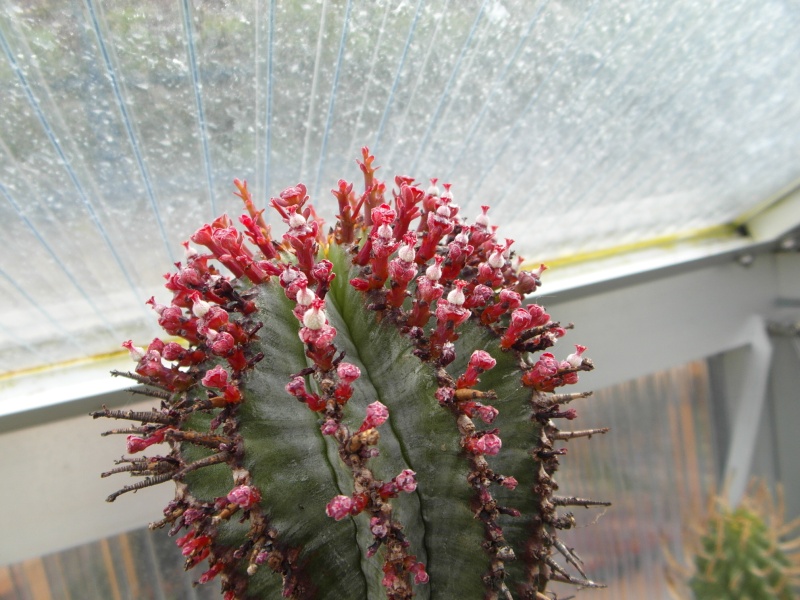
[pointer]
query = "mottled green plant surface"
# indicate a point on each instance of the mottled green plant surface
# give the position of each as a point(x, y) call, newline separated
point(403, 318)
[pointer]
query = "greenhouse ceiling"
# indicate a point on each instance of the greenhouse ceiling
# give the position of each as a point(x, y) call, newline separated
point(590, 127)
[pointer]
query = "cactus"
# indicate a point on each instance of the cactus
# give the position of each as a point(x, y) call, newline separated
point(369, 412)
point(741, 553)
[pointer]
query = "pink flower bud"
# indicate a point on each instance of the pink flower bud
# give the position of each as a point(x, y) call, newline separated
point(444, 395)
point(244, 496)
point(509, 483)
point(482, 360)
point(486, 444)
point(377, 414)
point(215, 378)
point(222, 344)
point(297, 387)
point(339, 507)
point(347, 372)
point(329, 427)
point(173, 351)
point(538, 314)
point(487, 413)
point(406, 481)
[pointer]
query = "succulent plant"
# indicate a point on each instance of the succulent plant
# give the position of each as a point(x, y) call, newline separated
point(366, 412)
point(742, 553)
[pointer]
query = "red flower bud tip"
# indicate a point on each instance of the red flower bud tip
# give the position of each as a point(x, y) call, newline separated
point(194, 544)
point(479, 362)
point(575, 359)
point(420, 576)
point(215, 378)
point(383, 215)
point(136, 444)
point(294, 195)
point(244, 496)
point(486, 444)
point(377, 414)
point(569, 414)
point(339, 507)
point(362, 285)
point(347, 372)
point(211, 573)
point(137, 352)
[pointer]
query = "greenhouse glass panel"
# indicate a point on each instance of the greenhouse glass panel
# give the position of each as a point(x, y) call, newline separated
point(587, 126)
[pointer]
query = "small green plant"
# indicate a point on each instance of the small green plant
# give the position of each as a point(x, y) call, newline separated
point(743, 553)
point(365, 412)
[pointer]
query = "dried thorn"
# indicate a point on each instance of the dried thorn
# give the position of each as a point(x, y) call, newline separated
point(135, 376)
point(214, 459)
point(198, 439)
point(160, 394)
point(568, 435)
point(573, 501)
point(569, 555)
point(554, 399)
point(533, 332)
point(130, 415)
point(124, 430)
point(137, 468)
point(588, 583)
point(150, 481)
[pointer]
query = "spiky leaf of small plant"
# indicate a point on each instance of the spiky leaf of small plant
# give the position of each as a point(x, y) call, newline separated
point(743, 552)
point(368, 412)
